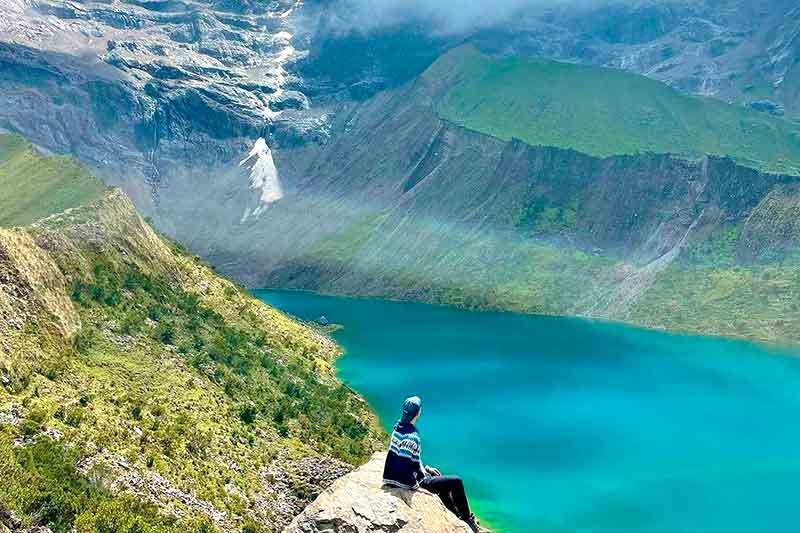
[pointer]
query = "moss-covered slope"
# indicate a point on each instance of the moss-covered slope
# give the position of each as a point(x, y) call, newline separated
point(141, 392)
point(34, 186)
point(603, 112)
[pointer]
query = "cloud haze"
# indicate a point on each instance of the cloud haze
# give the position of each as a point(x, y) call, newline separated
point(444, 16)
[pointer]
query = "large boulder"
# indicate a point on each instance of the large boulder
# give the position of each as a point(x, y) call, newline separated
point(359, 503)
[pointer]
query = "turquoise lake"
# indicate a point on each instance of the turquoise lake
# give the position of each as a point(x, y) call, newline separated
point(565, 425)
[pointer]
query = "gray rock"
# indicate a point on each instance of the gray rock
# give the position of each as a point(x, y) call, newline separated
point(53, 434)
point(10, 416)
point(767, 106)
point(358, 503)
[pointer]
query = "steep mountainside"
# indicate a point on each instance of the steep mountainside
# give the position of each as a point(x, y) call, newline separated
point(743, 51)
point(403, 203)
point(165, 98)
point(169, 99)
point(289, 147)
point(141, 392)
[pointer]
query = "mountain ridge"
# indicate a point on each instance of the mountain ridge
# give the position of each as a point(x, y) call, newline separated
point(601, 111)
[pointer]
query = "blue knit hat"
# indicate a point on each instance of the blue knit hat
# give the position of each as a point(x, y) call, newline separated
point(411, 408)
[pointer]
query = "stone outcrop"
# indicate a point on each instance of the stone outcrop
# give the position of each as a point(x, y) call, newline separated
point(359, 503)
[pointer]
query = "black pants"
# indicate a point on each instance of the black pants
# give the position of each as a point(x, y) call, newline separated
point(451, 491)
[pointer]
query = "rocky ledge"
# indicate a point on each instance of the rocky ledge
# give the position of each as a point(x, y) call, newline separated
point(359, 503)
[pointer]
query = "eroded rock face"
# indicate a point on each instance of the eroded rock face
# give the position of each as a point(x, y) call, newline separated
point(358, 503)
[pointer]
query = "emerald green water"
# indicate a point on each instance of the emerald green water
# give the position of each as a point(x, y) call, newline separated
point(562, 425)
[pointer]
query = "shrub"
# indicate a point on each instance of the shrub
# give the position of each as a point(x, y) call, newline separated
point(248, 413)
point(40, 483)
point(166, 333)
point(155, 312)
point(250, 526)
point(132, 322)
point(72, 415)
point(85, 339)
point(128, 515)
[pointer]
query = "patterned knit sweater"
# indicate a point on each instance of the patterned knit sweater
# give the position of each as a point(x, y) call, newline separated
point(403, 467)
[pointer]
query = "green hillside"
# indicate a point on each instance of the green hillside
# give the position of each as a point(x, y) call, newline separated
point(140, 392)
point(34, 186)
point(602, 111)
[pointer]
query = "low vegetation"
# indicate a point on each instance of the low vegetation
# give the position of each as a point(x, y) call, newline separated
point(278, 386)
point(709, 290)
point(40, 483)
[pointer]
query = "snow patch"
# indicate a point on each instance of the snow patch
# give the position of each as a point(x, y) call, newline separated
point(278, 71)
point(263, 176)
point(10, 10)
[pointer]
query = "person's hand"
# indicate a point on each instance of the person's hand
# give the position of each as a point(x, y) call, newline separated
point(433, 471)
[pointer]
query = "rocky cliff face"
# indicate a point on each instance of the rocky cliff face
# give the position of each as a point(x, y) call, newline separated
point(358, 503)
point(166, 98)
point(155, 96)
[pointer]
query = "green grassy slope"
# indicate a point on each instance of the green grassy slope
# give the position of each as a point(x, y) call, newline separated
point(34, 186)
point(602, 111)
point(710, 290)
point(141, 392)
point(707, 290)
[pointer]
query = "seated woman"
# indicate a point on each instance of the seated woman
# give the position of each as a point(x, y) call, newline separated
point(404, 467)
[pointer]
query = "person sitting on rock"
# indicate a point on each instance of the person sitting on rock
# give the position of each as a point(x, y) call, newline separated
point(404, 468)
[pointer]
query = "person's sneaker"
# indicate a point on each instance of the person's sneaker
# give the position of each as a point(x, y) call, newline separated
point(474, 525)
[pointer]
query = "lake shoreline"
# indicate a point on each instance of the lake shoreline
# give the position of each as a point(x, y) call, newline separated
point(789, 347)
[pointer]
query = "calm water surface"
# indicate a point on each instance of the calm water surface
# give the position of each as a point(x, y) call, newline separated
point(563, 425)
